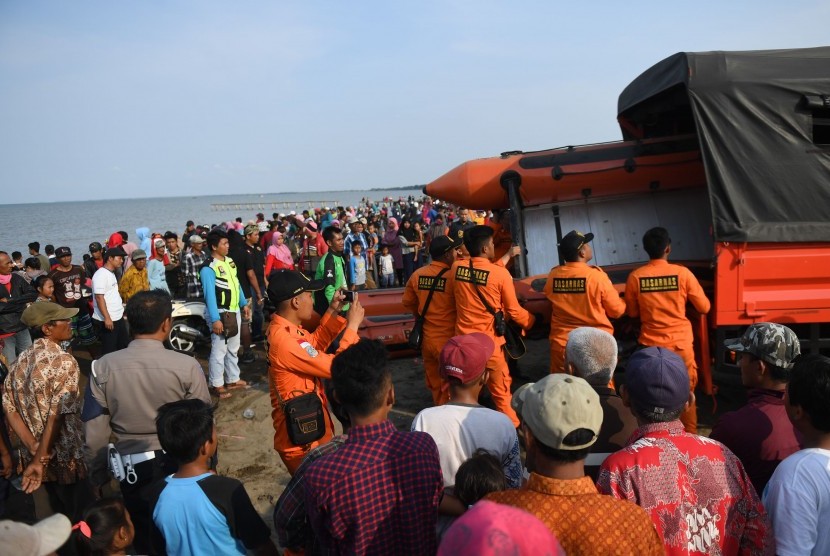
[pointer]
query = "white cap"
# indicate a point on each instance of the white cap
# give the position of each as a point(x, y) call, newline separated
point(40, 539)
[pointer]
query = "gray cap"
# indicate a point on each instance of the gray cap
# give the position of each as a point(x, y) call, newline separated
point(196, 238)
point(138, 254)
point(774, 343)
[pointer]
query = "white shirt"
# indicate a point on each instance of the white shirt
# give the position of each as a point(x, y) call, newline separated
point(459, 430)
point(797, 498)
point(104, 283)
point(386, 264)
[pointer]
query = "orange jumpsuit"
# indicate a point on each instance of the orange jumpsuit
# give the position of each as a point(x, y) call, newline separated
point(439, 323)
point(296, 364)
point(496, 285)
point(657, 293)
point(580, 295)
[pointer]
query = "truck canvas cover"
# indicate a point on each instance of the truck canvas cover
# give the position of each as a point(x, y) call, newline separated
point(763, 122)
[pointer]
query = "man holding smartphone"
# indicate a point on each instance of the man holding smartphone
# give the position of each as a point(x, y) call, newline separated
point(297, 359)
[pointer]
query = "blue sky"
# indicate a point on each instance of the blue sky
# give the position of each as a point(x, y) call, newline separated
point(114, 99)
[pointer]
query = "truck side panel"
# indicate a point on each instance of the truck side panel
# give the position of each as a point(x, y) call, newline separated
point(786, 283)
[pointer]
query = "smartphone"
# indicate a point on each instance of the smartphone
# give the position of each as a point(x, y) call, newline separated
point(349, 296)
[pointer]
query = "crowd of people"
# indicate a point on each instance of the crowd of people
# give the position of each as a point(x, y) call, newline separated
point(612, 464)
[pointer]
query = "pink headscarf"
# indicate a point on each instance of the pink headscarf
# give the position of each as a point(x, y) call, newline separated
point(391, 235)
point(281, 252)
point(492, 529)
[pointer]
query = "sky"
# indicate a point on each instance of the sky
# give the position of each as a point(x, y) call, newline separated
point(114, 99)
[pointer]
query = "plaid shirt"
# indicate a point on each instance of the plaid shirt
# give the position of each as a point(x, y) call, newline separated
point(377, 494)
point(192, 263)
point(290, 518)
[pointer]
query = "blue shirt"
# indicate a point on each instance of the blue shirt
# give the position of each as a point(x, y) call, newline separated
point(207, 514)
point(156, 275)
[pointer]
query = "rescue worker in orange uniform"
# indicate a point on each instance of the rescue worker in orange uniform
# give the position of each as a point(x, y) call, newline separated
point(580, 295)
point(658, 293)
point(480, 275)
point(297, 361)
point(439, 321)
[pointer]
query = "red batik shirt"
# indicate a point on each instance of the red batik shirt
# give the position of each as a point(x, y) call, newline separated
point(695, 490)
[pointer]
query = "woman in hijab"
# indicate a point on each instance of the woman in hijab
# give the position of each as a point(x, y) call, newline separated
point(278, 256)
point(391, 240)
point(409, 245)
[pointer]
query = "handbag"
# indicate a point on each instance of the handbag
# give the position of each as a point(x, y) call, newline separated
point(514, 343)
point(230, 325)
point(304, 417)
point(416, 335)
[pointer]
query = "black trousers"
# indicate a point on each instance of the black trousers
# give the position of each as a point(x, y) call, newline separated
point(115, 339)
point(139, 499)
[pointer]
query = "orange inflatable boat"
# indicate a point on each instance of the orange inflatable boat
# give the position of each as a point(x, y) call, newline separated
point(571, 173)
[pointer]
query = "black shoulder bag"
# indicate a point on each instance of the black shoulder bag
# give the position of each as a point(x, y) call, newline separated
point(304, 416)
point(514, 344)
point(416, 335)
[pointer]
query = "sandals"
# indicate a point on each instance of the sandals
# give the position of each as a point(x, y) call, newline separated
point(236, 385)
point(221, 392)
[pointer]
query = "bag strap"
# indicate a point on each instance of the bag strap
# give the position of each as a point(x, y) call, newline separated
point(480, 296)
point(431, 292)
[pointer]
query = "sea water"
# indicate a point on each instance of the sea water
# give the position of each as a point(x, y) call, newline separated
point(77, 224)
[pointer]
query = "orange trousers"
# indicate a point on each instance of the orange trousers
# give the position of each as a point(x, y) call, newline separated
point(557, 353)
point(431, 351)
point(687, 352)
point(292, 455)
point(499, 384)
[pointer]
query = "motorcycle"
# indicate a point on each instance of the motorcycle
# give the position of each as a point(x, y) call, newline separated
point(189, 326)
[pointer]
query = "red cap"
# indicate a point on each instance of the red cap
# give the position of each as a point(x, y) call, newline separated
point(465, 357)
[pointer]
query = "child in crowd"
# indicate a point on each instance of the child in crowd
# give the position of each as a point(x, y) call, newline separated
point(45, 288)
point(357, 267)
point(106, 529)
point(196, 511)
point(479, 476)
point(386, 268)
point(372, 242)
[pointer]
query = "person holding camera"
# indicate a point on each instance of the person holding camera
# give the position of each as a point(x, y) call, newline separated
point(297, 362)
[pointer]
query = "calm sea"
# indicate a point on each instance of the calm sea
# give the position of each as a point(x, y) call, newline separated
point(77, 224)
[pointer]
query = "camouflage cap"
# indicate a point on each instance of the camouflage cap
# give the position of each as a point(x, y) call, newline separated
point(774, 343)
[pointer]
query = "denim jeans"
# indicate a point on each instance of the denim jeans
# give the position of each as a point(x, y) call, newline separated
point(14, 345)
point(223, 365)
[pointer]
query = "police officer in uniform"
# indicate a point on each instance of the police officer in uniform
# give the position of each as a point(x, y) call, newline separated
point(580, 295)
point(658, 293)
point(479, 275)
point(131, 384)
